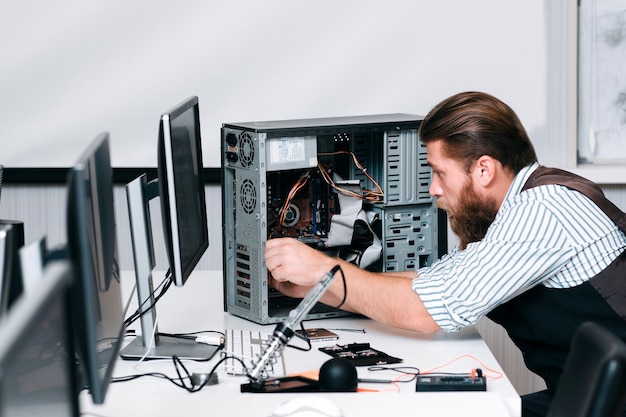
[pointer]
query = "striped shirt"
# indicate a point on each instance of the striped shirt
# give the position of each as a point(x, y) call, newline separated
point(548, 235)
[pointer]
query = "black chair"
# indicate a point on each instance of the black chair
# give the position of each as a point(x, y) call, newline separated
point(593, 383)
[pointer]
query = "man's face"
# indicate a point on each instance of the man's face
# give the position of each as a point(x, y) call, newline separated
point(470, 212)
point(449, 178)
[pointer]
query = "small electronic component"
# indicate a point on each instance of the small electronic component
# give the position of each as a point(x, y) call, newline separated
point(319, 334)
point(451, 382)
point(360, 354)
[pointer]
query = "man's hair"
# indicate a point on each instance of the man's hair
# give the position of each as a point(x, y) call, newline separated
point(473, 124)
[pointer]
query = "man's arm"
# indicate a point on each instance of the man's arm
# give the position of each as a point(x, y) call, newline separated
point(387, 298)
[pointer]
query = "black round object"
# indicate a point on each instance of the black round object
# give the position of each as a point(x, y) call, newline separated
point(338, 374)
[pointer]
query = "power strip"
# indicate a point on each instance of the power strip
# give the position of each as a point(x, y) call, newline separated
point(426, 383)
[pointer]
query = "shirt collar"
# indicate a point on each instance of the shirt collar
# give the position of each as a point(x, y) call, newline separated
point(519, 180)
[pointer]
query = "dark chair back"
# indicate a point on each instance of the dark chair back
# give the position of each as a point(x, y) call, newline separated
point(593, 383)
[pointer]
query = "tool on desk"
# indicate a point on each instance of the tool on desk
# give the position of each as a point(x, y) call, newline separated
point(360, 354)
point(349, 330)
point(284, 332)
point(475, 381)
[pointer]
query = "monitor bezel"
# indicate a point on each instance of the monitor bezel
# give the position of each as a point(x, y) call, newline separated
point(170, 212)
point(6, 262)
point(11, 241)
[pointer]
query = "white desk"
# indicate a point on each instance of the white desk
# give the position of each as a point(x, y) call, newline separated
point(198, 306)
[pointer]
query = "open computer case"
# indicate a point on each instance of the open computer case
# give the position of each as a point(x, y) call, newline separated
point(354, 187)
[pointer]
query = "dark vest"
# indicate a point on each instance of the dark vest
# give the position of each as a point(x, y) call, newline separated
point(542, 321)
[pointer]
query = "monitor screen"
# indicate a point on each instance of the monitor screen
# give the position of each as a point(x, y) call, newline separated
point(181, 188)
point(37, 373)
point(92, 244)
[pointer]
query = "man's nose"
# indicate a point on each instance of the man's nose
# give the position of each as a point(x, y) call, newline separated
point(435, 189)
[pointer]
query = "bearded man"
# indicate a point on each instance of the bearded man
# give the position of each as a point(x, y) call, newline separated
point(540, 250)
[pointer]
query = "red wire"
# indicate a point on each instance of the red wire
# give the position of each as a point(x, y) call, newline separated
point(496, 374)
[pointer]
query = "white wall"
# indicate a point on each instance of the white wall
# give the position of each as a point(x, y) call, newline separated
point(71, 69)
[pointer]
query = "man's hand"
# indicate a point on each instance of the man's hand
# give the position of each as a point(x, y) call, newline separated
point(289, 260)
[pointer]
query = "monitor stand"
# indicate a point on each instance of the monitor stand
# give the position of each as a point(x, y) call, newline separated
point(151, 345)
point(167, 347)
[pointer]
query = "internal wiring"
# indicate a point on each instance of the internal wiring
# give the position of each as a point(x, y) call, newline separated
point(302, 181)
point(328, 179)
point(369, 195)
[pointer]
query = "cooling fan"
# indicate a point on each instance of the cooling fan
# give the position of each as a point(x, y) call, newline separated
point(246, 149)
point(247, 196)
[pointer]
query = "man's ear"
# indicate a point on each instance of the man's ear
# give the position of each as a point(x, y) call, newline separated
point(485, 170)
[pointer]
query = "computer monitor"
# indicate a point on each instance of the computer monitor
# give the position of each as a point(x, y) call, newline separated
point(181, 189)
point(37, 372)
point(180, 186)
point(97, 310)
point(11, 240)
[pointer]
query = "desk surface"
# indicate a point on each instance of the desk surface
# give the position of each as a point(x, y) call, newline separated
point(198, 306)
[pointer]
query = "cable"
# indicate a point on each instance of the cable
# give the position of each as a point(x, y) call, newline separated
point(415, 371)
point(182, 375)
point(178, 365)
point(164, 285)
point(300, 183)
point(496, 374)
point(152, 339)
point(345, 288)
point(304, 336)
point(370, 195)
point(405, 371)
point(192, 335)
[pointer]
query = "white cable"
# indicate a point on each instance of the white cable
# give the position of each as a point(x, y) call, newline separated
point(145, 355)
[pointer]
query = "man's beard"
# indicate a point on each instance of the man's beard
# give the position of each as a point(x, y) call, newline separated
point(473, 216)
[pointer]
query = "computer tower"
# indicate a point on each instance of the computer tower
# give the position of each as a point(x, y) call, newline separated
point(355, 187)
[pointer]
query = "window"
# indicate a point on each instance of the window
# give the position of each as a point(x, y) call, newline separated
point(601, 130)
